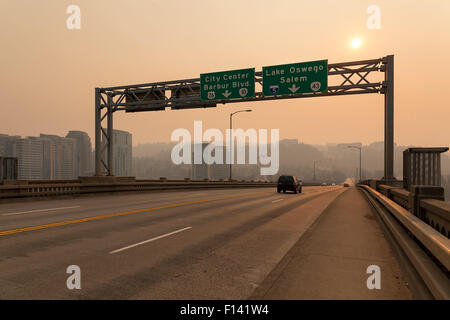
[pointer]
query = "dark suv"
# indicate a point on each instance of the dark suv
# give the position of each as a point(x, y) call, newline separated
point(289, 183)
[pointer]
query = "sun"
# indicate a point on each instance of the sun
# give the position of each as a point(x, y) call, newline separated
point(356, 43)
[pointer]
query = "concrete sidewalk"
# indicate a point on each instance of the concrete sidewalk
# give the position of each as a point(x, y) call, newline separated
point(331, 259)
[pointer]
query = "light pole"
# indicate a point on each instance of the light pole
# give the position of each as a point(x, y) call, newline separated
point(360, 169)
point(231, 135)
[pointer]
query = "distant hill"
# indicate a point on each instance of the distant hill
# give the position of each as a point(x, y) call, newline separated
point(148, 150)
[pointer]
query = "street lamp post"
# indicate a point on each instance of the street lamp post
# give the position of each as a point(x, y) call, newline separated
point(314, 176)
point(231, 136)
point(360, 169)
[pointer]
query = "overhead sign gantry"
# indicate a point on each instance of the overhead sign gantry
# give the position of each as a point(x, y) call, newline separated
point(289, 81)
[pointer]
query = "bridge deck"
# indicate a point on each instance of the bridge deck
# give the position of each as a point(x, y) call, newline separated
point(205, 244)
point(331, 259)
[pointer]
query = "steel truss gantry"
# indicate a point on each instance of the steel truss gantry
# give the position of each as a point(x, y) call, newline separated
point(345, 78)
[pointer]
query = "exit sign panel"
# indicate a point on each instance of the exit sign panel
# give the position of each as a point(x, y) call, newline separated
point(303, 77)
point(227, 84)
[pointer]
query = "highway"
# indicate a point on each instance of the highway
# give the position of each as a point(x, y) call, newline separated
point(206, 244)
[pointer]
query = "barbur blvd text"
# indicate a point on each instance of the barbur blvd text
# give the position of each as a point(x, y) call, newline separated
point(216, 79)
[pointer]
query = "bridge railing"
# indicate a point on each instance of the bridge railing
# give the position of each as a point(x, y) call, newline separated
point(420, 191)
point(424, 202)
point(422, 236)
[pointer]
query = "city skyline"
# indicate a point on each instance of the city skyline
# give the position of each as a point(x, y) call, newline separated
point(53, 157)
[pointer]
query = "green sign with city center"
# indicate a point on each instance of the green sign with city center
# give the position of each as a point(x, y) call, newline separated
point(304, 77)
point(227, 84)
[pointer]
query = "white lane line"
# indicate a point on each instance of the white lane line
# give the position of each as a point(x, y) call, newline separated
point(40, 210)
point(277, 200)
point(150, 240)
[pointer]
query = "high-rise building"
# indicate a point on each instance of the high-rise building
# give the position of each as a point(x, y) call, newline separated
point(220, 171)
point(30, 154)
point(122, 153)
point(49, 156)
point(83, 152)
point(65, 157)
point(8, 145)
point(200, 171)
point(8, 168)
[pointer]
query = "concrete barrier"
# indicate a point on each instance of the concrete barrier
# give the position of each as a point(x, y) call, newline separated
point(425, 202)
point(86, 185)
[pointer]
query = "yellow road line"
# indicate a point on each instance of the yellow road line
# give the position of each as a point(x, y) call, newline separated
point(111, 215)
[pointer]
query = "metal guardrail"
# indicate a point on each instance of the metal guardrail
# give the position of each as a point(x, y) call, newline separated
point(435, 213)
point(25, 189)
point(403, 223)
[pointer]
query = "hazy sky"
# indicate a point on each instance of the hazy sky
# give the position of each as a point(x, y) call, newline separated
point(48, 72)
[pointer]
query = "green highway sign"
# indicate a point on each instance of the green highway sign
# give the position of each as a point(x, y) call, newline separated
point(304, 77)
point(227, 84)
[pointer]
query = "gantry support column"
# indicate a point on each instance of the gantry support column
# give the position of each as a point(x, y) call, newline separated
point(98, 133)
point(388, 117)
point(110, 138)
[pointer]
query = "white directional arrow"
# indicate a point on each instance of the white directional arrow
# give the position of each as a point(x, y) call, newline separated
point(294, 88)
point(226, 94)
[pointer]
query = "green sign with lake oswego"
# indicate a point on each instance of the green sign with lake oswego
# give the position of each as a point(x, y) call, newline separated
point(227, 85)
point(304, 77)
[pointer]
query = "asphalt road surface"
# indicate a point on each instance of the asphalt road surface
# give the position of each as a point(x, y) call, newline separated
point(206, 244)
